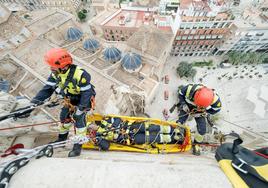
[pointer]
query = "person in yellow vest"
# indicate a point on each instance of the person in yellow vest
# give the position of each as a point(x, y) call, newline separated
point(197, 100)
point(128, 133)
point(71, 82)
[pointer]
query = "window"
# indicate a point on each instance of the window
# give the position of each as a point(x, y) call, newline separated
point(178, 38)
point(193, 31)
point(228, 24)
point(220, 25)
point(215, 25)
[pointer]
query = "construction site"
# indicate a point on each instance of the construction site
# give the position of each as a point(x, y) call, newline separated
point(135, 79)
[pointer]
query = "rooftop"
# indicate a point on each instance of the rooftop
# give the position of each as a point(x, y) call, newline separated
point(251, 18)
point(4, 14)
point(128, 18)
point(132, 18)
point(12, 26)
point(150, 41)
point(212, 7)
point(46, 20)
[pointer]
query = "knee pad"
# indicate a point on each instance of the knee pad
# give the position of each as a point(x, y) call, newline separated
point(198, 138)
point(103, 144)
point(80, 120)
point(64, 127)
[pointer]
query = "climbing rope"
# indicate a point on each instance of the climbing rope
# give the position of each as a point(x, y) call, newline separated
point(31, 125)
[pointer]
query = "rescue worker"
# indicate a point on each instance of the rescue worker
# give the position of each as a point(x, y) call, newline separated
point(72, 83)
point(151, 134)
point(197, 100)
point(114, 129)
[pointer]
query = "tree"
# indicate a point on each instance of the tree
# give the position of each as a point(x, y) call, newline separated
point(235, 58)
point(186, 70)
point(256, 58)
point(247, 58)
point(84, 11)
point(82, 16)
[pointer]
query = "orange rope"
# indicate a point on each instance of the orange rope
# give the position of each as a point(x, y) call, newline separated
point(32, 125)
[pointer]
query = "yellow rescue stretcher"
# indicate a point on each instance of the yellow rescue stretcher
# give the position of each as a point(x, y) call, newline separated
point(156, 148)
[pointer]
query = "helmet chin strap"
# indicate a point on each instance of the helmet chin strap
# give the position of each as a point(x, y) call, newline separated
point(61, 70)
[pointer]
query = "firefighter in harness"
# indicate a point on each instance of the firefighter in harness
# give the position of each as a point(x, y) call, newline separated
point(73, 83)
point(199, 101)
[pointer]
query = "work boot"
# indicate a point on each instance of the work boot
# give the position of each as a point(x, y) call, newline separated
point(196, 149)
point(61, 138)
point(76, 150)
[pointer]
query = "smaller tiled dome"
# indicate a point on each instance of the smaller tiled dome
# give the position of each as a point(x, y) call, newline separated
point(73, 34)
point(131, 62)
point(91, 45)
point(112, 54)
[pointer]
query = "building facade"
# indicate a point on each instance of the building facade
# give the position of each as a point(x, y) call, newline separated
point(249, 33)
point(200, 27)
point(66, 5)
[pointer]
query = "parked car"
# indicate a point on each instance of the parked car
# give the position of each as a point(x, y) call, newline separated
point(166, 94)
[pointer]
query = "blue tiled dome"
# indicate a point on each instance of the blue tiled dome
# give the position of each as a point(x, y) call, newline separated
point(131, 61)
point(112, 54)
point(91, 45)
point(74, 34)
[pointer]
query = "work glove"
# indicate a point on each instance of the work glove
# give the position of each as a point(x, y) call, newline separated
point(78, 112)
point(59, 93)
point(25, 113)
point(185, 108)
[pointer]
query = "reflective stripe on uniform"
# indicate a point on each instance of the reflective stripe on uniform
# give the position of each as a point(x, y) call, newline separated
point(72, 87)
point(165, 138)
point(51, 83)
point(216, 104)
point(81, 131)
point(147, 134)
point(187, 99)
point(188, 93)
point(165, 129)
point(85, 88)
point(64, 127)
point(213, 108)
point(103, 122)
point(215, 99)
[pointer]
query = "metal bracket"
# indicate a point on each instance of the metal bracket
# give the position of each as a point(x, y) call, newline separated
point(239, 166)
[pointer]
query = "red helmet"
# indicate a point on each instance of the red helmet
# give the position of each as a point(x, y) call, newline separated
point(58, 58)
point(203, 97)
